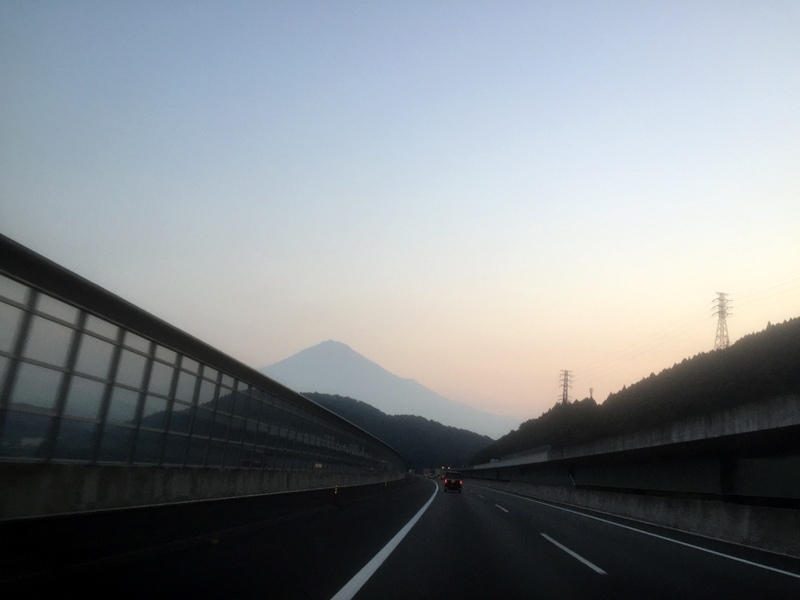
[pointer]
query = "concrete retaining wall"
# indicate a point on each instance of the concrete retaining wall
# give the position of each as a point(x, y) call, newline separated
point(37, 490)
point(772, 414)
point(766, 528)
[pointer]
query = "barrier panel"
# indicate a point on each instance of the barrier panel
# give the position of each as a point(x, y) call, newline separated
point(87, 378)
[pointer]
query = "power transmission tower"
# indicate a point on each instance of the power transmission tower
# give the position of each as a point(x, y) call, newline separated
point(566, 380)
point(722, 312)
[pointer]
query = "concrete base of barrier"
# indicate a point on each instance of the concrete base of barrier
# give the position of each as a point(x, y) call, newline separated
point(46, 545)
point(37, 490)
point(766, 528)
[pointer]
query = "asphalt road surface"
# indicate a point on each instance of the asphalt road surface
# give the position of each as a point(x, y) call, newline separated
point(419, 542)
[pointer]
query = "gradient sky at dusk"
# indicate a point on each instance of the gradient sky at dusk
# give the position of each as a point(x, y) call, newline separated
point(475, 195)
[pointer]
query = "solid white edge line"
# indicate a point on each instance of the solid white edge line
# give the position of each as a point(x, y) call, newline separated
point(655, 535)
point(352, 587)
point(501, 508)
point(574, 555)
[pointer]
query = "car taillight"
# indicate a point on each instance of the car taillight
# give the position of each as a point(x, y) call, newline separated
point(460, 482)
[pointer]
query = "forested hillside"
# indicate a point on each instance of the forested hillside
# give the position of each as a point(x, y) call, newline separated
point(758, 366)
point(422, 442)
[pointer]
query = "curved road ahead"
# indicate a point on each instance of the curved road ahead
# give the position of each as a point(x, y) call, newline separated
point(481, 543)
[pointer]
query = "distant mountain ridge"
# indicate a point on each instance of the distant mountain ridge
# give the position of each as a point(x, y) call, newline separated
point(334, 368)
point(422, 443)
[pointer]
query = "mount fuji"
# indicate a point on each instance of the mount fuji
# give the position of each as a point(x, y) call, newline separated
point(335, 368)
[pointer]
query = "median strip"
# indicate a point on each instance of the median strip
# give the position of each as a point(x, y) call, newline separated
point(592, 566)
point(352, 587)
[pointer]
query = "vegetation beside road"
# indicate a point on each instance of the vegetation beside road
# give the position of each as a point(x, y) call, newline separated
point(422, 442)
point(757, 367)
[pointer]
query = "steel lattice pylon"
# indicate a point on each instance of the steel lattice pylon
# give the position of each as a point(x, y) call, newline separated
point(722, 312)
point(566, 380)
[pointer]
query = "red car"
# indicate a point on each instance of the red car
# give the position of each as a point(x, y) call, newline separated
point(453, 481)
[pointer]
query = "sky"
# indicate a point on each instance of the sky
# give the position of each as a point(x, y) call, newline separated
point(474, 195)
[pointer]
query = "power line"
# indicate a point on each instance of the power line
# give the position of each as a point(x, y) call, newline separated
point(641, 348)
point(756, 300)
point(648, 345)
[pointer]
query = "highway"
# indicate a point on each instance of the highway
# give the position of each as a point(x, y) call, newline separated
point(489, 544)
point(423, 543)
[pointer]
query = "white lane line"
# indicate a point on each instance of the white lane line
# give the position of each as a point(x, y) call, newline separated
point(352, 587)
point(479, 496)
point(574, 555)
point(660, 537)
point(501, 508)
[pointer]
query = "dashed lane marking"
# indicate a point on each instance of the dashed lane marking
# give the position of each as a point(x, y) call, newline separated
point(592, 566)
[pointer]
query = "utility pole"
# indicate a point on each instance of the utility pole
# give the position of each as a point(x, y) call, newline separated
point(722, 325)
point(566, 379)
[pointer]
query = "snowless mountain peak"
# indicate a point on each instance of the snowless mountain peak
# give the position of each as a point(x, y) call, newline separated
point(332, 367)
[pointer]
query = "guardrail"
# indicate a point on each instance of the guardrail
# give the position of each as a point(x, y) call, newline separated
point(86, 378)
